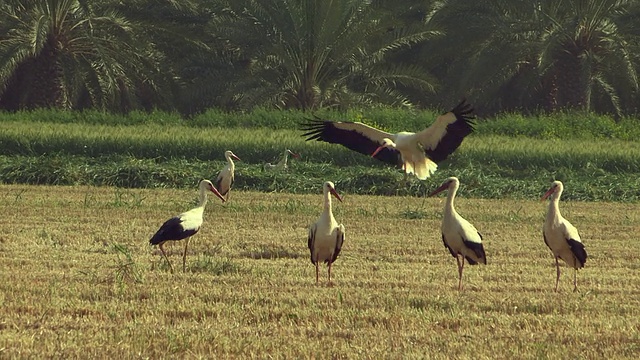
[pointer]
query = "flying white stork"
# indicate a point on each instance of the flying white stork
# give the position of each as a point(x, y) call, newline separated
point(282, 164)
point(225, 177)
point(562, 237)
point(184, 225)
point(459, 236)
point(417, 153)
point(326, 235)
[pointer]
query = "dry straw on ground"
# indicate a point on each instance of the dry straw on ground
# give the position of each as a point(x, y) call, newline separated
point(79, 279)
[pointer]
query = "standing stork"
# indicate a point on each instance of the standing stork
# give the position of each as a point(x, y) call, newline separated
point(282, 164)
point(417, 153)
point(326, 236)
point(459, 236)
point(561, 237)
point(225, 177)
point(184, 225)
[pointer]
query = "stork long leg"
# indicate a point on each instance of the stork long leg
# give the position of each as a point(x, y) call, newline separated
point(184, 255)
point(317, 270)
point(460, 267)
point(575, 280)
point(557, 273)
point(165, 256)
point(329, 272)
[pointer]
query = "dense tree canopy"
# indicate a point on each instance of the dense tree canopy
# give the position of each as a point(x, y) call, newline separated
point(547, 54)
point(504, 55)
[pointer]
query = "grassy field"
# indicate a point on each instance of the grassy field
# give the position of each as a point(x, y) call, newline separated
point(156, 155)
point(258, 145)
point(79, 279)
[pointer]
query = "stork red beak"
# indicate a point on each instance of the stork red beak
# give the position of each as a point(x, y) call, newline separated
point(547, 194)
point(335, 193)
point(442, 188)
point(235, 157)
point(297, 156)
point(215, 191)
point(377, 151)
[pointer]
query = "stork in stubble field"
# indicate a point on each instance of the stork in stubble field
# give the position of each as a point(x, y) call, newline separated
point(282, 164)
point(184, 225)
point(226, 176)
point(459, 236)
point(417, 153)
point(326, 236)
point(562, 237)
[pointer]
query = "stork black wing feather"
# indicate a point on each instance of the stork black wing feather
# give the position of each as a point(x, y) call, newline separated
point(577, 248)
point(456, 132)
point(444, 241)
point(325, 130)
point(218, 185)
point(311, 242)
point(544, 236)
point(478, 249)
point(171, 230)
point(336, 252)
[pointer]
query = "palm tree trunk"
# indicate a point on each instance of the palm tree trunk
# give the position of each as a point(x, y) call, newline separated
point(574, 75)
point(550, 86)
point(47, 90)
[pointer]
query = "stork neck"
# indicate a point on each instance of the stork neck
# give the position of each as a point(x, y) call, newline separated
point(451, 194)
point(327, 204)
point(202, 197)
point(230, 163)
point(554, 206)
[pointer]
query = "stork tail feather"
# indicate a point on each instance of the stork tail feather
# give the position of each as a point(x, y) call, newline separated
point(478, 250)
point(578, 250)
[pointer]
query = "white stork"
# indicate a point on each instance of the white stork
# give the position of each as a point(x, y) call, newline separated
point(459, 236)
point(562, 237)
point(225, 177)
point(326, 235)
point(282, 164)
point(184, 225)
point(417, 153)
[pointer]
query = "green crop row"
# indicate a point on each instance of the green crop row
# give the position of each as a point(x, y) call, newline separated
point(477, 180)
point(568, 125)
point(175, 155)
point(257, 146)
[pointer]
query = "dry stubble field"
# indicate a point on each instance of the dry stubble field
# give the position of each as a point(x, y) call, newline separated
point(80, 280)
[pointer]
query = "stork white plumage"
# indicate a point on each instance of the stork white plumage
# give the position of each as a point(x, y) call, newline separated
point(417, 153)
point(282, 164)
point(184, 225)
point(459, 236)
point(226, 176)
point(326, 236)
point(562, 237)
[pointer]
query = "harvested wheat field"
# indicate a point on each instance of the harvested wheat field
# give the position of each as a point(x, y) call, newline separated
point(79, 279)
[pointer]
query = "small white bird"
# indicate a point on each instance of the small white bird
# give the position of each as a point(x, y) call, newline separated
point(562, 237)
point(326, 236)
point(459, 236)
point(226, 176)
point(184, 225)
point(417, 153)
point(282, 164)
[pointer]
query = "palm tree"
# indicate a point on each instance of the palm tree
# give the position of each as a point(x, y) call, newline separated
point(308, 54)
point(589, 48)
point(74, 54)
point(192, 54)
point(548, 53)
